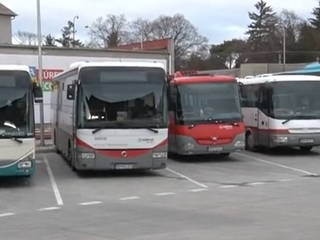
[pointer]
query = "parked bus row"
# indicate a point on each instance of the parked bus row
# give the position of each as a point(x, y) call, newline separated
point(116, 115)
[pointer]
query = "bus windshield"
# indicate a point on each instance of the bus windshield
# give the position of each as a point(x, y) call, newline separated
point(295, 100)
point(16, 109)
point(208, 101)
point(134, 97)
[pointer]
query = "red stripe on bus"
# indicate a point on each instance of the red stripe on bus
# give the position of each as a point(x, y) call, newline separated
point(273, 131)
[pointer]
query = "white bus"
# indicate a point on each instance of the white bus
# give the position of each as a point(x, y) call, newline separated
point(17, 122)
point(111, 115)
point(281, 111)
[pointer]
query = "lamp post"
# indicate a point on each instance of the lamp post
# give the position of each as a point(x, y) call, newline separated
point(283, 42)
point(39, 35)
point(74, 30)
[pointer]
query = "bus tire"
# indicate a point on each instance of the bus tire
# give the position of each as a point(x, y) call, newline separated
point(71, 158)
point(250, 142)
point(305, 149)
point(55, 143)
point(224, 154)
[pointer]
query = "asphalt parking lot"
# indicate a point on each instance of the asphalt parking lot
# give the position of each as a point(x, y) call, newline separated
point(245, 196)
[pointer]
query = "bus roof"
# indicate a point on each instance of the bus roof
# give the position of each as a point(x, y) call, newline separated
point(279, 78)
point(80, 65)
point(203, 79)
point(4, 67)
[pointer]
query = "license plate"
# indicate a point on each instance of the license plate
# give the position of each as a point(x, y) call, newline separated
point(124, 166)
point(215, 149)
point(307, 140)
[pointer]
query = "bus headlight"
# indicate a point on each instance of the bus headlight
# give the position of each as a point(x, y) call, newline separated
point(26, 161)
point(239, 144)
point(159, 155)
point(280, 139)
point(86, 155)
point(188, 146)
point(24, 164)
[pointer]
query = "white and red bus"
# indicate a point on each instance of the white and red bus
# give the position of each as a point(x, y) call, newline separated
point(111, 115)
point(281, 110)
point(205, 114)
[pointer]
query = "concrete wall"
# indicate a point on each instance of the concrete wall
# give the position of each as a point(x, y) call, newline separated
point(257, 68)
point(229, 72)
point(5, 30)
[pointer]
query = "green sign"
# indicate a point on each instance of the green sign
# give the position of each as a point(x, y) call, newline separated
point(46, 86)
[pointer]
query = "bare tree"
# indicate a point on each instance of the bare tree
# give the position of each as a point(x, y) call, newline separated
point(141, 30)
point(108, 31)
point(115, 30)
point(26, 38)
point(292, 24)
point(185, 35)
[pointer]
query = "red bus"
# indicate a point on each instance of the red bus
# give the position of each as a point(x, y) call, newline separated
point(204, 114)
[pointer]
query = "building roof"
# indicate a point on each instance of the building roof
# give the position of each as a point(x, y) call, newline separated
point(6, 11)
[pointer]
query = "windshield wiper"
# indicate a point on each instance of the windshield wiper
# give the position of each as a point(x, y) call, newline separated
point(287, 120)
point(122, 124)
point(222, 121)
point(215, 122)
point(104, 127)
point(12, 138)
point(152, 130)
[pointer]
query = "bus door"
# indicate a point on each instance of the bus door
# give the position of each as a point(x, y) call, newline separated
point(72, 96)
point(172, 112)
point(262, 117)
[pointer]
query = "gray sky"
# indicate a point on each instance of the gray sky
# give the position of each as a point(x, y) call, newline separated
point(217, 20)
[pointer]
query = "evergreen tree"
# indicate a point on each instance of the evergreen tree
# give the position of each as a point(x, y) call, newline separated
point(66, 39)
point(263, 23)
point(113, 39)
point(315, 21)
point(49, 40)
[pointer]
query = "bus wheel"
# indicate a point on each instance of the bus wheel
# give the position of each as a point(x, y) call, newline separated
point(55, 143)
point(305, 149)
point(250, 142)
point(70, 158)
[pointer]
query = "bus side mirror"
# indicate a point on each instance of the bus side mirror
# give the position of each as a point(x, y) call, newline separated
point(71, 91)
point(37, 93)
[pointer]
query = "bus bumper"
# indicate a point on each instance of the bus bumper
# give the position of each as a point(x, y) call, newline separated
point(19, 168)
point(128, 159)
point(294, 140)
point(188, 146)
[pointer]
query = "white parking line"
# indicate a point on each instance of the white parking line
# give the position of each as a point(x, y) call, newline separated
point(90, 203)
point(285, 180)
point(187, 178)
point(7, 214)
point(53, 184)
point(129, 198)
point(276, 164)
point(49, 209)
point(228, 186)
point(255, 183)
point(198, 190)
point(164, 194)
